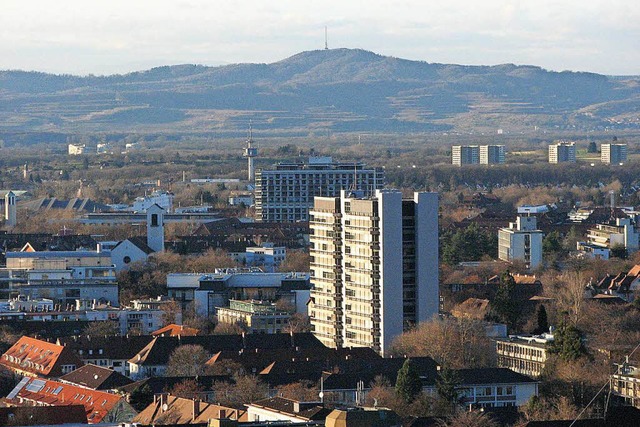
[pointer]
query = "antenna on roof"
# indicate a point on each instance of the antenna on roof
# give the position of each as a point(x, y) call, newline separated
point(326, 39)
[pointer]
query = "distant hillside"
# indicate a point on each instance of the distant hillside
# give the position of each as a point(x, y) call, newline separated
point(340, 90)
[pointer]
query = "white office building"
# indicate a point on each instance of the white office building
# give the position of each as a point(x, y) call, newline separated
point(613, 154)
point(562, 152)
point(521, 241)
point(374, 263)
point(285, 194)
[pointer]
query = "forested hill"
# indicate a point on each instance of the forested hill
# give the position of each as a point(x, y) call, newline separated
point(318, 91)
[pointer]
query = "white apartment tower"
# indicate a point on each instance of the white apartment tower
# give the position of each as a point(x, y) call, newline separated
point(491, 154)
point(613, 154)
point(562, 152)
point(521, 241)
point(374, 263)
point(285, 194)
point(465, 155)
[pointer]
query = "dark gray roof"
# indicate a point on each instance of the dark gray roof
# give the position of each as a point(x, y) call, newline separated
point(96, 378)
point(308, 410)
point(492, 376)
point(112, 347)
point(158, 351)
point(159, 385)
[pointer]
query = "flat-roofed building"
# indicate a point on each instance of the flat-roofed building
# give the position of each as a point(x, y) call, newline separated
point(562, 152)
point(523, 354)
point(285, 194)
point(256, 316)
point(521, 241)
point(613, 154)
point(465, 155)
point(491, 154)
point(374, 263)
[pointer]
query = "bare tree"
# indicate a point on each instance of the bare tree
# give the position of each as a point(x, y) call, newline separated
point(187, 361)
point(245, 389)
point(102, 328)
point(456, 343)
point(188, 389)
point(470, 419)
point(296, 261)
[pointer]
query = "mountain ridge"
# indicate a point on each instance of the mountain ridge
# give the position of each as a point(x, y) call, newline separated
point(343, 90)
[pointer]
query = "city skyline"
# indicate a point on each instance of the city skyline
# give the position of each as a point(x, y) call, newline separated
point(120, 37)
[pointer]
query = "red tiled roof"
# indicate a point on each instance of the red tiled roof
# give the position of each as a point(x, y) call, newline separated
point(174, 330)
point(36, 357)
point(97, 404)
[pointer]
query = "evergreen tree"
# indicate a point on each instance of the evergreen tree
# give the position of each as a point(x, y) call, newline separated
point(551, 243)
point(408, 383)
point(619, 251)
point(543, 321)
point(567, 342)
point(447, 384)
point(504, 305)
point(470, 244)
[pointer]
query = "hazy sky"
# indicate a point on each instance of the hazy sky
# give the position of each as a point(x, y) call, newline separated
point(118, 36)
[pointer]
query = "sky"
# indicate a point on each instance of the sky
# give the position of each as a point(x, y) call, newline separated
point(119, 36)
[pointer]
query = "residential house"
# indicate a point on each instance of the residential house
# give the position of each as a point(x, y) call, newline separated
point(95, 377)
point(153, 358)
point(174, 330)
point(365, 417)
point(495, 387)
point(43, 415)
point(99, 406)
point(282, 409)
point(36, 358)
point(349, 381)
point(168, 409)
point(108, 352)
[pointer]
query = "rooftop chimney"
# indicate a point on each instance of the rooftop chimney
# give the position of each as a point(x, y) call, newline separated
point(196, 409)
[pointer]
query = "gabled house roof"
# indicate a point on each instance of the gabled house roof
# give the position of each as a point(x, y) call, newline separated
point(168, 409)
point(139, 242)
point(97, 404)
point(113, 347)
point(308, 411)
point(158, 351)
point(159, 385)
point(43, 415)
point(96, 378)
point(35, 357)
point(635, 270)
point(174, 330)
